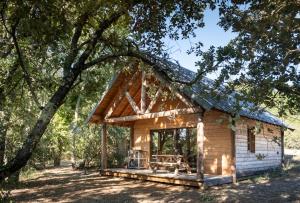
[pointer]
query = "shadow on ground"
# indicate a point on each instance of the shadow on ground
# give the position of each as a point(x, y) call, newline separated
point(66, 185)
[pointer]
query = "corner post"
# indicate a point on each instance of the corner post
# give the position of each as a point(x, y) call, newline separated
point(200, 148)
point(104, 147)
point(233, 150)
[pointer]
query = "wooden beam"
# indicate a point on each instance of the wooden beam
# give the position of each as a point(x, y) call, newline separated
point(96, 119)
point(153, 102)
point(132, 103)
point(119, 96)
point(143, 92)
point(200, 149)
point(125, 108)
point(173, 112)
point(103, 147)
point(174, 90)
point(181, 97)
point(233, 151)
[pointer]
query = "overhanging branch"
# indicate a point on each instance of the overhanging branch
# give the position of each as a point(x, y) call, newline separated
point(23, 65)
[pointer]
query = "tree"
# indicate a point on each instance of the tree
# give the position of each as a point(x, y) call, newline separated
point(82, 35)
point(52, 43)
point(264, 57)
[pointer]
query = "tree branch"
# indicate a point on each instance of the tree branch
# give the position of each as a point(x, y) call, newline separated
point(103, 26)
point(47, 113)
point(23, 66)
point(104, 58)
point(74, 42)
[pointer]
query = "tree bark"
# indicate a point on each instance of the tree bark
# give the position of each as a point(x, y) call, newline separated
point(104, 147)
point(58, 155)
point(188, 143)
point(76, 117)
point(159, 143)
point(175, 141)
point(3, 127)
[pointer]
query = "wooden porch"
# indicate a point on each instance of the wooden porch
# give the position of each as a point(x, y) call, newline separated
point(164, 176)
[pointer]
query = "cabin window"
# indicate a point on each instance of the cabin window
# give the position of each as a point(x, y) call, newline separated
point(251, 140)
point(179, 141)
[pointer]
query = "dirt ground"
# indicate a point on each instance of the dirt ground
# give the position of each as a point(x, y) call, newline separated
point(66, 185)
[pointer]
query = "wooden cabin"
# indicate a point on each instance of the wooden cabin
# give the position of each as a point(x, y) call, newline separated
point(183, 127)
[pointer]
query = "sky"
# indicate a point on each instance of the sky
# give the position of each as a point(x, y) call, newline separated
point(210, 35)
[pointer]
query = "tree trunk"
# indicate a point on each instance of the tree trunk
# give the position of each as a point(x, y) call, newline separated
point(39, 128)
point(4, 119)
point(14, 178)
point(175, 140)
point(76, 115)
point(56, 161)
point(188, 143)
point(159, 146)
point(57, 158)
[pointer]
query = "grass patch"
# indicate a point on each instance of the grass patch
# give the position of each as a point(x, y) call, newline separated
point(5, 195)
point(267, 176)
point(28, 173)
point(292, 168)
point(207, 198)
point(291, 165)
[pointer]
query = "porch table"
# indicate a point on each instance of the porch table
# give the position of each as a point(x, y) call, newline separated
point(169, 160)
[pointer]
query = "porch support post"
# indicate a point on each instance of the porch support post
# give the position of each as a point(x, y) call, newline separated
point(282, 146)
point(104, 147)
point(200, 148)
point(131, 137)
point(233, 150)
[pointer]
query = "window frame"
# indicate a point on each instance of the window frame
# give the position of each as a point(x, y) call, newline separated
point(251, 140)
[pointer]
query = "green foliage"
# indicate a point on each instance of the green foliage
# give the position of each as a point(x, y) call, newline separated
point(5, 195)
point(292, 138)
point(63, 52)
point(118, 146)
point(264, 57)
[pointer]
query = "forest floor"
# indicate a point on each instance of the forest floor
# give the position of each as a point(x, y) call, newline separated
point(66, 185)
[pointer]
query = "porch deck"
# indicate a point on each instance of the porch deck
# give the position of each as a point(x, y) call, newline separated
point(164, 176)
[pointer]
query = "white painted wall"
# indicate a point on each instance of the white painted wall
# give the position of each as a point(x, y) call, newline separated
point(264, 145)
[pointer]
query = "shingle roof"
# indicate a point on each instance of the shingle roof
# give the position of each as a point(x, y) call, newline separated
point(200, 93)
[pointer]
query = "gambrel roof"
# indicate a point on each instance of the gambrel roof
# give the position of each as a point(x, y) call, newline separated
point(200, 94)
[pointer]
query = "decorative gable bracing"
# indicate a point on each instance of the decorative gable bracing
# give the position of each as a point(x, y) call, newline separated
point(139, 95)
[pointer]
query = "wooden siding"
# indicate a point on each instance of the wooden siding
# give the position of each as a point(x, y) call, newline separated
point(264, 146)
point(217, 142)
